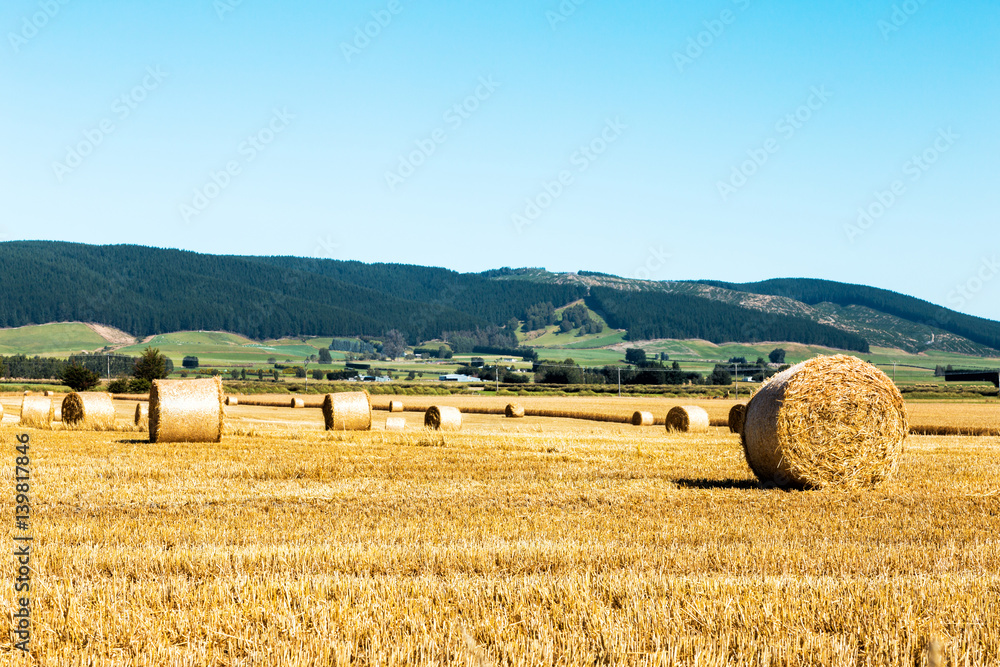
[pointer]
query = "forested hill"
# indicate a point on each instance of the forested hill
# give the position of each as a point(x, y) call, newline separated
point(147, 291)
point(812, 292)
point(648, 315)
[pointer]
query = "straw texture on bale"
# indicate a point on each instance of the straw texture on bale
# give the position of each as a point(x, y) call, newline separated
point(232, 400)
point(828, 422)
point(642, 418)
point(36, 412)
point(57, 411)
point(688, 419)
point(395, 424)
point(278, 401)
point(92, 411)
point(736, 415)
point(1, 411)
point(348, 411)
point(186, 411)
point(514, 410)
point(395, 406)
point(142, 414)
point(443, 418)
point(298, 403)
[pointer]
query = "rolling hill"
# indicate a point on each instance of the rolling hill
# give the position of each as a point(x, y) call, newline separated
point(149, 291)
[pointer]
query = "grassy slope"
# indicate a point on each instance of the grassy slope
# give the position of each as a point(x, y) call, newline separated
point(225, 350)
point(571, 339)
point(50, 340)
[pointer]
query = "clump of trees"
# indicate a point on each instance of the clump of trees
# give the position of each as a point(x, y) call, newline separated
point(394, 345)
point(78, 378)
point(151, 365)
point(578, 317)
point(539, 316)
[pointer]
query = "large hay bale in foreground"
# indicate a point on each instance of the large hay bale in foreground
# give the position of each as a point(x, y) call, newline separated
point(142, 414)
point(36, 412)
point(514, 411)
point(443, 418)
point(640, 418)
point(395, 424)
point(186, 411)
point(298, 403)
point(92, 411)
point(736, 416)
point(232, 400)
point(688, 419)
point(395, 406)
point(348, 411)
point(829, 421)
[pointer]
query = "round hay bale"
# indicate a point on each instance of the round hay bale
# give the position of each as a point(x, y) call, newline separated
point(688, 419)
point(348, 411)
point(48, 393)
point(443, 418)
point(829, 421)
point(736, 415)
point(28, 392)
point(395, 424)
point(89, 411)
point(298, 403)
point(142, 414)
point(642, 418)
point(395, 406)
point(36, 412)
point(232, 400)
point(186, 411)
point(514, 411)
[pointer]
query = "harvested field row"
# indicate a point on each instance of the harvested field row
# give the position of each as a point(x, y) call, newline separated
point(926, 418)
point(588, 543)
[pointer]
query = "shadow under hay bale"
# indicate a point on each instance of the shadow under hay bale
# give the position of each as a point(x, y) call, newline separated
point(395, 406)
point(90, 411)
point(395, 424)
point(186, 411)
point(297, 403)
point(513, 411)
point(443, 418)
point(736, 415)
point(687, 419)
point(142, 414)
point(348, 411)
point(828, 422)
point(642, 418)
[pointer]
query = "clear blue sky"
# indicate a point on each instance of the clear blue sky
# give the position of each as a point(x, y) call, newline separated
point(314, 122)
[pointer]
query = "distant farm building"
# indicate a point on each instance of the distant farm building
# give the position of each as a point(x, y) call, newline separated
point(455, 377)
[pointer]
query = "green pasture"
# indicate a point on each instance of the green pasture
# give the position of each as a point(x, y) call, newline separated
point(50, 340)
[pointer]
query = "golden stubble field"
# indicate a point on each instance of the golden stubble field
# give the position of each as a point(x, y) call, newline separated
point(534, 541)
